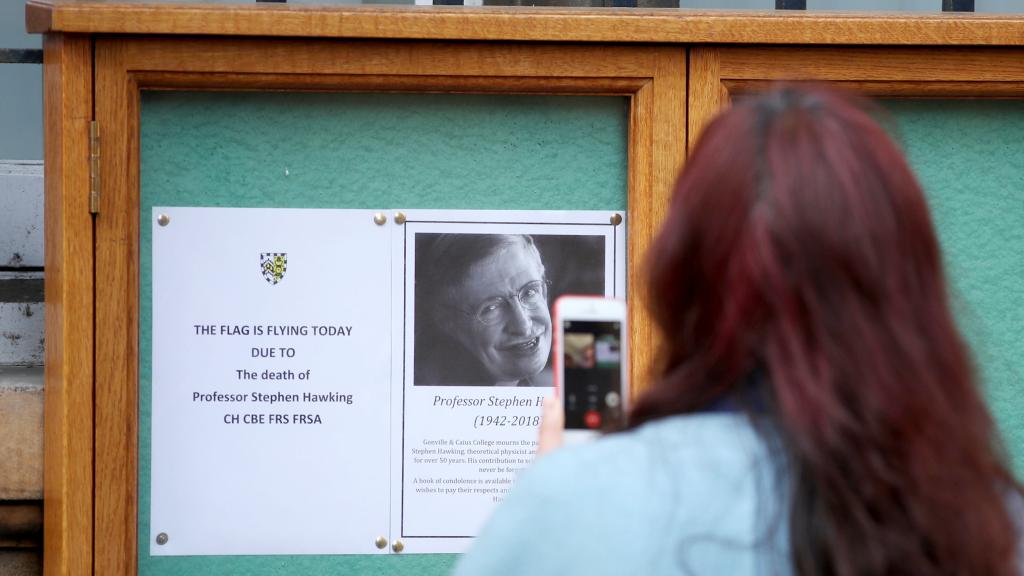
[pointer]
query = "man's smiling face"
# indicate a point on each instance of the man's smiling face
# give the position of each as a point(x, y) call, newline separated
point(500, 289)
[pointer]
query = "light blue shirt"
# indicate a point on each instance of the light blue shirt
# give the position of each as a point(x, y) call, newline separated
point(681, 495)
point(698, 494)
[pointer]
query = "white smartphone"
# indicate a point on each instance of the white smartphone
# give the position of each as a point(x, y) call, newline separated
point(591, 364)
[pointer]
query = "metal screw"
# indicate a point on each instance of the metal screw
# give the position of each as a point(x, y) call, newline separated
point(616, 219)
point(397, 546)
point(381, 542)
point(163, 219)
point(380, 219)
point(399, 217)
point(161, 538)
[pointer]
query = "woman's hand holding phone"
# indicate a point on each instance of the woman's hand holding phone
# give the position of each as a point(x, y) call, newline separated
point(591, 365)
point(591, 370)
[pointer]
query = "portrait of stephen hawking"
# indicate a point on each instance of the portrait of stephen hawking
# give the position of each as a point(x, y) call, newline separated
point(483, 304)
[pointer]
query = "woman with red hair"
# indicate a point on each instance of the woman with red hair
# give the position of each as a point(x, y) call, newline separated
point(816, 410)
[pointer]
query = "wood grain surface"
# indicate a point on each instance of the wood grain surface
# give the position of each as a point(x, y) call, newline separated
point(525, 23)
point(117, 316)
point(880, 64)
point(706, 94)
point(718, 73)
point(657, 152)
point(68, 414)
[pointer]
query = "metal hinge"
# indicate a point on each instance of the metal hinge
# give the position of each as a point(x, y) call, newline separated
point(94, 167)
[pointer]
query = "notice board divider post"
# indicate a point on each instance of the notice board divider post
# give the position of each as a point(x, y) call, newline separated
point(653, 78)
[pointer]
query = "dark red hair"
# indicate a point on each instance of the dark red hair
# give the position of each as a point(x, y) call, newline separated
point(799, 246)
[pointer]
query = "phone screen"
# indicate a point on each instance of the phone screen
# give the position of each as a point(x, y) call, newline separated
point(592, 360)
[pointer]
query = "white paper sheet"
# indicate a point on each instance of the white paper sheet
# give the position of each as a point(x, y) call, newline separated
point(286, 413)
point(281, 474)
point(460, 447)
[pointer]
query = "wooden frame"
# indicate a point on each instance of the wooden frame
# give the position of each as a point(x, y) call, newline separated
point(652, 77)
point(68, 437)
point(528, 24)
point(719, 73)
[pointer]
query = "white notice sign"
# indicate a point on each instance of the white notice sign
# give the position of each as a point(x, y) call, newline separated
point(270, 380)
point(324, 378)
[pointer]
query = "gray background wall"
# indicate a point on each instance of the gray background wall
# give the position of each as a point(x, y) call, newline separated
point(21, 307)
point(21, 90)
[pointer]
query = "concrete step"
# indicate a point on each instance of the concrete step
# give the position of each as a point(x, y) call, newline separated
point(21, 470)
point(21, 377)
point(21, 562)
point(21, 443)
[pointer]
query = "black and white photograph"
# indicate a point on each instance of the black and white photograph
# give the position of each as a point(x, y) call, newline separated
point(483, 303)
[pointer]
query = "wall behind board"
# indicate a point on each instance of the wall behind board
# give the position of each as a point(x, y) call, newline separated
point(21, 88)
point(969, 156)
point(376, 151)
point(21, 295)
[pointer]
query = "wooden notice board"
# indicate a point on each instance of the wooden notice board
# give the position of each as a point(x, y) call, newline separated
point(270, 106)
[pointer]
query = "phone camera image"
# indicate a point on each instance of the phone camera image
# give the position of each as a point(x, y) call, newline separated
point(592, 356)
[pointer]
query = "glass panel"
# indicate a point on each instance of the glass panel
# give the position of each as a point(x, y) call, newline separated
point(323, 150)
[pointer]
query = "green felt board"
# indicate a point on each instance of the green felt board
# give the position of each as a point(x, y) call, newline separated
point(969, 156)
point(372, 151)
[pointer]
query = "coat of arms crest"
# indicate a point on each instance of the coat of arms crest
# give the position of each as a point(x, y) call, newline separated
point(273, 265)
